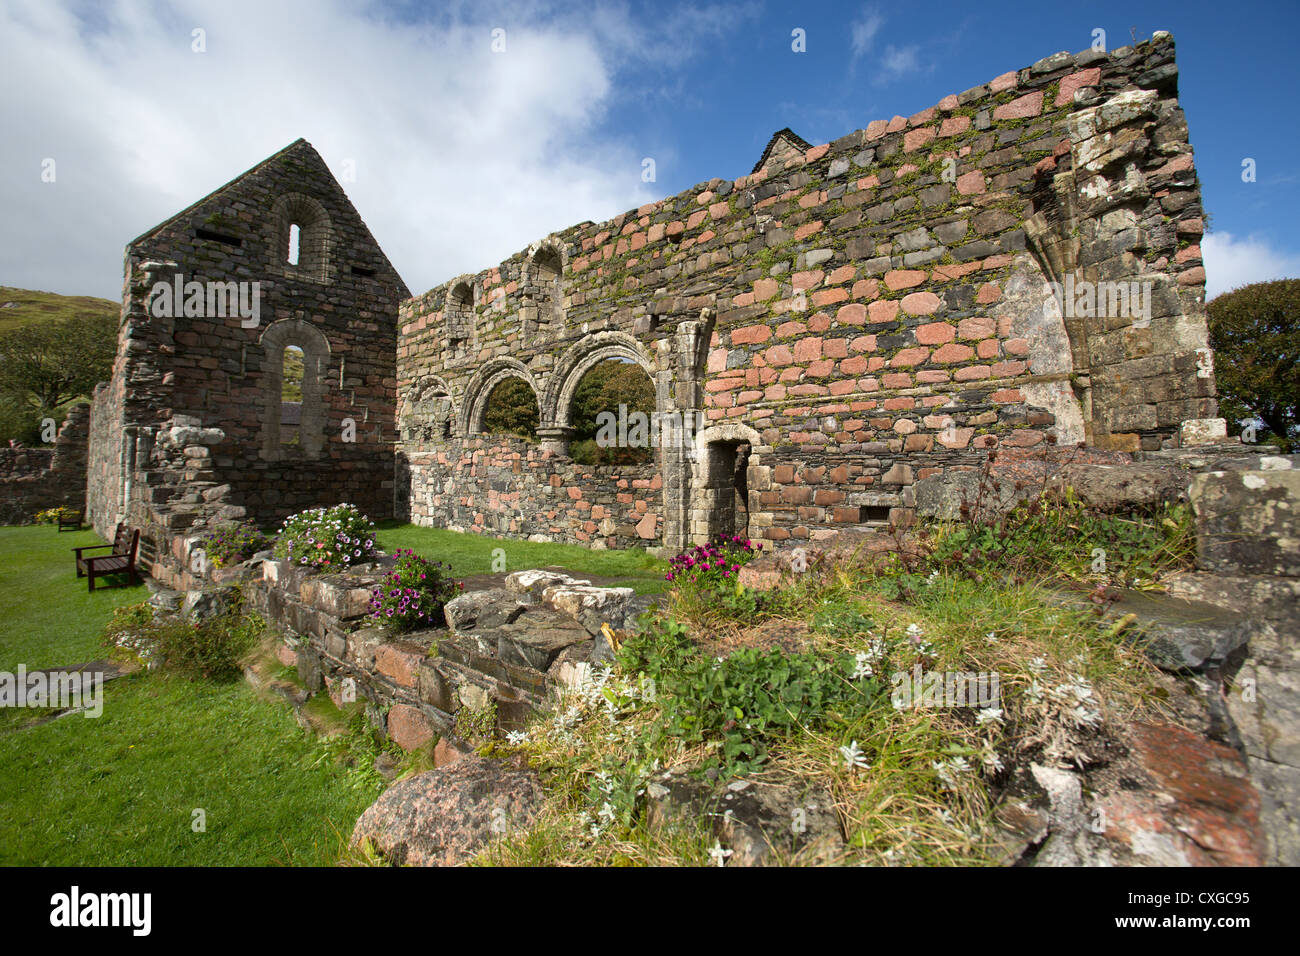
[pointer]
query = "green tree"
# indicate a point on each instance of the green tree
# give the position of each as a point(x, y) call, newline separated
point(603, 389)
point(46, 364)
point(1255, 334)
point(512, 408)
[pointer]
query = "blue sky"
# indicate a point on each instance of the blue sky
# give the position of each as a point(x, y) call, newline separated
point(464, 155)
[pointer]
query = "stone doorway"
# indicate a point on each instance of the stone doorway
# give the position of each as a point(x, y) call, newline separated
point(723, 502)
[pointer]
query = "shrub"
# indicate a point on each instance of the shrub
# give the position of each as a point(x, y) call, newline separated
point(210, 650)
point(332, 538)
point(51, 515)
point(231, 542)
point(736, 705)
point(413, 593)
point(708, 566)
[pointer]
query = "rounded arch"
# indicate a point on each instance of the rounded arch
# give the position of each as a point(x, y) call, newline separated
point(727, 433)
point(480, 386)
point(458, 310)
point(580, 358)
point(428, 410)
point(315, 236)
point(315, 348)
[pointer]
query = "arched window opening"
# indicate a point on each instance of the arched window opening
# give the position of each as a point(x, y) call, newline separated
point(613, 416)
point(543, 306)
point(293, 407)
point(460, 314)
point(511, 408)
point(301, 236)
point(291, 397)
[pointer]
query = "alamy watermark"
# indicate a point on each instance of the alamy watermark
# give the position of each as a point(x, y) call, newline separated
point(210, 300)
point(1118, 300)
point(656, 430)
point(62, 690)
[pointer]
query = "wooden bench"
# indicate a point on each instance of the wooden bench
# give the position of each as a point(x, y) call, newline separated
point(70, 522)
point(120, 560)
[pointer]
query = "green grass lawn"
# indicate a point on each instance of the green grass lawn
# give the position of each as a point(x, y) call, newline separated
point(47, 618)
point(474, 554)
point(121, 789)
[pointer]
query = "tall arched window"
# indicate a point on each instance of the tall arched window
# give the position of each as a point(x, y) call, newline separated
point(295, 361)
point(544, 301)
point(459, 314)
point(302, 235)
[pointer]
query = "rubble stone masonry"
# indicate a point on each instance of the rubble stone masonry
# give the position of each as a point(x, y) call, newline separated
point(842, 322)
point(855, 316)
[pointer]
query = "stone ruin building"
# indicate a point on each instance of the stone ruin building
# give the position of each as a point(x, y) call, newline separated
point(843, 321)
point(1016, 267)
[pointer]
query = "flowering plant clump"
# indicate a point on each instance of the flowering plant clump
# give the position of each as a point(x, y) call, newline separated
point(51, 515)
point(710, 565)
point(231, 542)
point(330, 538)
point(413, 593)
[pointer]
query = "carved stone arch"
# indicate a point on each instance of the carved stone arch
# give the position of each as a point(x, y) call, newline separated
point(581, 357)
point(480, 387)
point(315, 366)
point(428, 410)
point(315, 238)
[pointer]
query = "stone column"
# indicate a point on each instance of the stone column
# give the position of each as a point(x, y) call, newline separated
point(555, 438)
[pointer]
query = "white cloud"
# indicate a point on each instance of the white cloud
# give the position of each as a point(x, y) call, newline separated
point(897, 62)
point(463, 156)
point(864, 30)
point(1231, 262)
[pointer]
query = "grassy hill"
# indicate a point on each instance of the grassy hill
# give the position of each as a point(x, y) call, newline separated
point(20, 307)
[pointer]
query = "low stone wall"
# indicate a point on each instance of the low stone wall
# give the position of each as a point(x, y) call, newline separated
point(35, 479)
point(508, 486)
point(500, 652)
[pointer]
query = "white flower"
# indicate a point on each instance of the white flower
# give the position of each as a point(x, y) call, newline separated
point(987, 714)
point(854, 757)
point(517, 737)
point(947, 770)
point(719, 855)
point(991, 637)
point(606, 812)
point(861, 667)
point(991, 760)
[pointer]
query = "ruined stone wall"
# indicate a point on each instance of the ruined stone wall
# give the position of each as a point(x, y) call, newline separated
point(189, 430)
point(509, 486)
point(861, 313)
point(35, 479)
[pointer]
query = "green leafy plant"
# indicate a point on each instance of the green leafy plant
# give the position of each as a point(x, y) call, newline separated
point(738, 704)
point(332, 538)
point(413, 593)
point(212, 649)
point(231, 542)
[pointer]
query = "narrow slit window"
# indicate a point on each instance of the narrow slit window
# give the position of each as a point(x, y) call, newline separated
point(294, 235)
